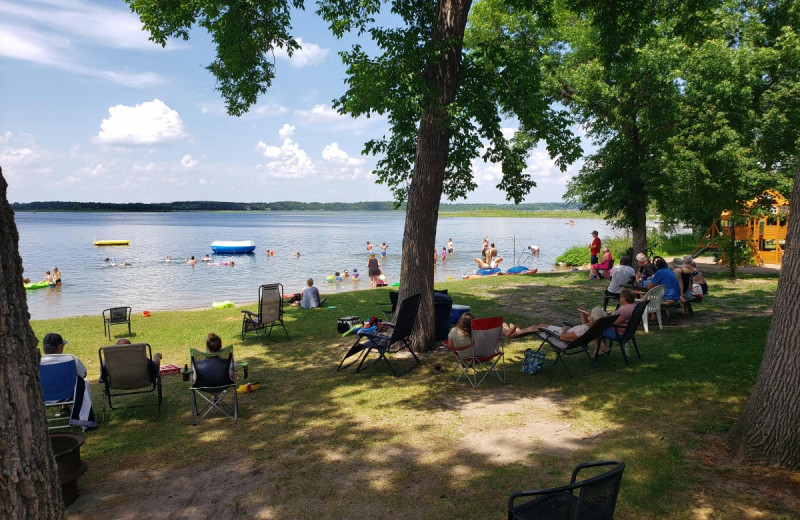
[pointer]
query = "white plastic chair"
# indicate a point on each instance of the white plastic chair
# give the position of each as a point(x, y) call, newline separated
point(654, 297)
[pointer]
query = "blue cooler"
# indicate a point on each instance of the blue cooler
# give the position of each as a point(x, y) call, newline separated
point(456, 312)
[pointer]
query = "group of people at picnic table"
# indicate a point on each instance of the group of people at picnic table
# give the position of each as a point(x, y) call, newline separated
point(682, 279)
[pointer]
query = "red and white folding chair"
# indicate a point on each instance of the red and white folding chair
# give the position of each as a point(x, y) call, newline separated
point(484, 354)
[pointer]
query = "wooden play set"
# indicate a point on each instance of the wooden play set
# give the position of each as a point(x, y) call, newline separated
point(765, 234)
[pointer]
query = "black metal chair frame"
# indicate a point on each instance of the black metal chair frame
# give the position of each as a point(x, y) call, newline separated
point(576, 346)
point(629, 335)
point(218, 392)
point(383, 343)
point(596, 499)
point(252, 322)
point(388, 308)
point(108, 389)
point(116, 316)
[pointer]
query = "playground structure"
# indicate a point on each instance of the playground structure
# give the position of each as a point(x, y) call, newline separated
point(765, 234)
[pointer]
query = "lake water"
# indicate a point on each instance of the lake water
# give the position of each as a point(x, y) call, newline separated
point(327, 242)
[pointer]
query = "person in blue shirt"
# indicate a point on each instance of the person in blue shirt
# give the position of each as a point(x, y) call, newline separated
point(310, 296)
point(665, 276)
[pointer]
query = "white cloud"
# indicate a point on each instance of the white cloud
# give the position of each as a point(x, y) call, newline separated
point(61, 34)
point(321, 114)
point(268, 110)
point(324, 115)
point(286, 130)
point(287, 161)
point(152, 122)
point(308, 55)
point(133, 79)
point(15, 156)
point(188, 162)
point(93, 22)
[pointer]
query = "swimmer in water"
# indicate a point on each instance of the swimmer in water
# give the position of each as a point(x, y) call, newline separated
point(355, 275)
point(345, 274)
point(534, 250)
point(369, 247)
point(169, 258)
point(296, 255)
point(206, 258)
point(191, 261)
point(444, 253)
point(106, 259)
point(383, 249)
point(450, 248)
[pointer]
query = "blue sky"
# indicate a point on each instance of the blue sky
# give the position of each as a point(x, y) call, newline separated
point(90, 110)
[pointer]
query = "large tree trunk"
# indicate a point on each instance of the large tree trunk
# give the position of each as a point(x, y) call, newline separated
point(639, 228)
point(427, 179)
point(29, 485)
point(769, 430)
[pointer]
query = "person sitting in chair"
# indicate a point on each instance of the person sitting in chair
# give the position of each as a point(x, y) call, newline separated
point(627, 301)
point(565, 332)
point(83, 414)
point(602, 265)
point(214, 344)
point(620, 275)
point(153, 366)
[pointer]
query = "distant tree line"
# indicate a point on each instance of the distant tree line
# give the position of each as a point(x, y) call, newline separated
point(272, 206)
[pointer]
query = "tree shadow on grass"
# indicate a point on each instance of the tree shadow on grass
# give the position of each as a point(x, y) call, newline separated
point(314, 443)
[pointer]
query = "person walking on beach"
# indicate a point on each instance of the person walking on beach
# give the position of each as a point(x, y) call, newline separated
point(374, 269)
point(594, 248)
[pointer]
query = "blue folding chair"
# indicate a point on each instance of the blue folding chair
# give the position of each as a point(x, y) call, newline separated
point(58, 378)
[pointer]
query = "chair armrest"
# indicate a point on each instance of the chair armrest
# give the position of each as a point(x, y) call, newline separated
point(250, 314)
point(568, 324)
point(539, 492)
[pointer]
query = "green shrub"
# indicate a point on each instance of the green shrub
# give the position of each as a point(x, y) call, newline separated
point(575, 255)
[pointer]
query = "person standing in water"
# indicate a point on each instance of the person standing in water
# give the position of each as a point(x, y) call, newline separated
point(450, 248)
point(374, 269)
point(369, 247)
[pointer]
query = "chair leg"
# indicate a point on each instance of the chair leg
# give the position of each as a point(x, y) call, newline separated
point(645, 322)
point(658, 316)
point(636, 347)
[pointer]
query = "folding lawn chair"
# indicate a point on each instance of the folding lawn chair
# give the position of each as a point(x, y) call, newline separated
point(212, 382)
point(484, 353)
point(58, 377)
point(270, 312)
point(562, 348)
point(383, 343)
point(129, 370)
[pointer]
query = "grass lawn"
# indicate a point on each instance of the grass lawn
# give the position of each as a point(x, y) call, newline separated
point(314, 443)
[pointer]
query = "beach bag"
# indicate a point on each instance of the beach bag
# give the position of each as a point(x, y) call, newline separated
point(346, 323)
point(532, 362)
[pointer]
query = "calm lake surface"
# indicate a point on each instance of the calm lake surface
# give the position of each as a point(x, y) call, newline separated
point(327, 242)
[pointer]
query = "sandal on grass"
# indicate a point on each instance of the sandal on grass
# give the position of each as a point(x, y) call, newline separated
point(602, 352)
